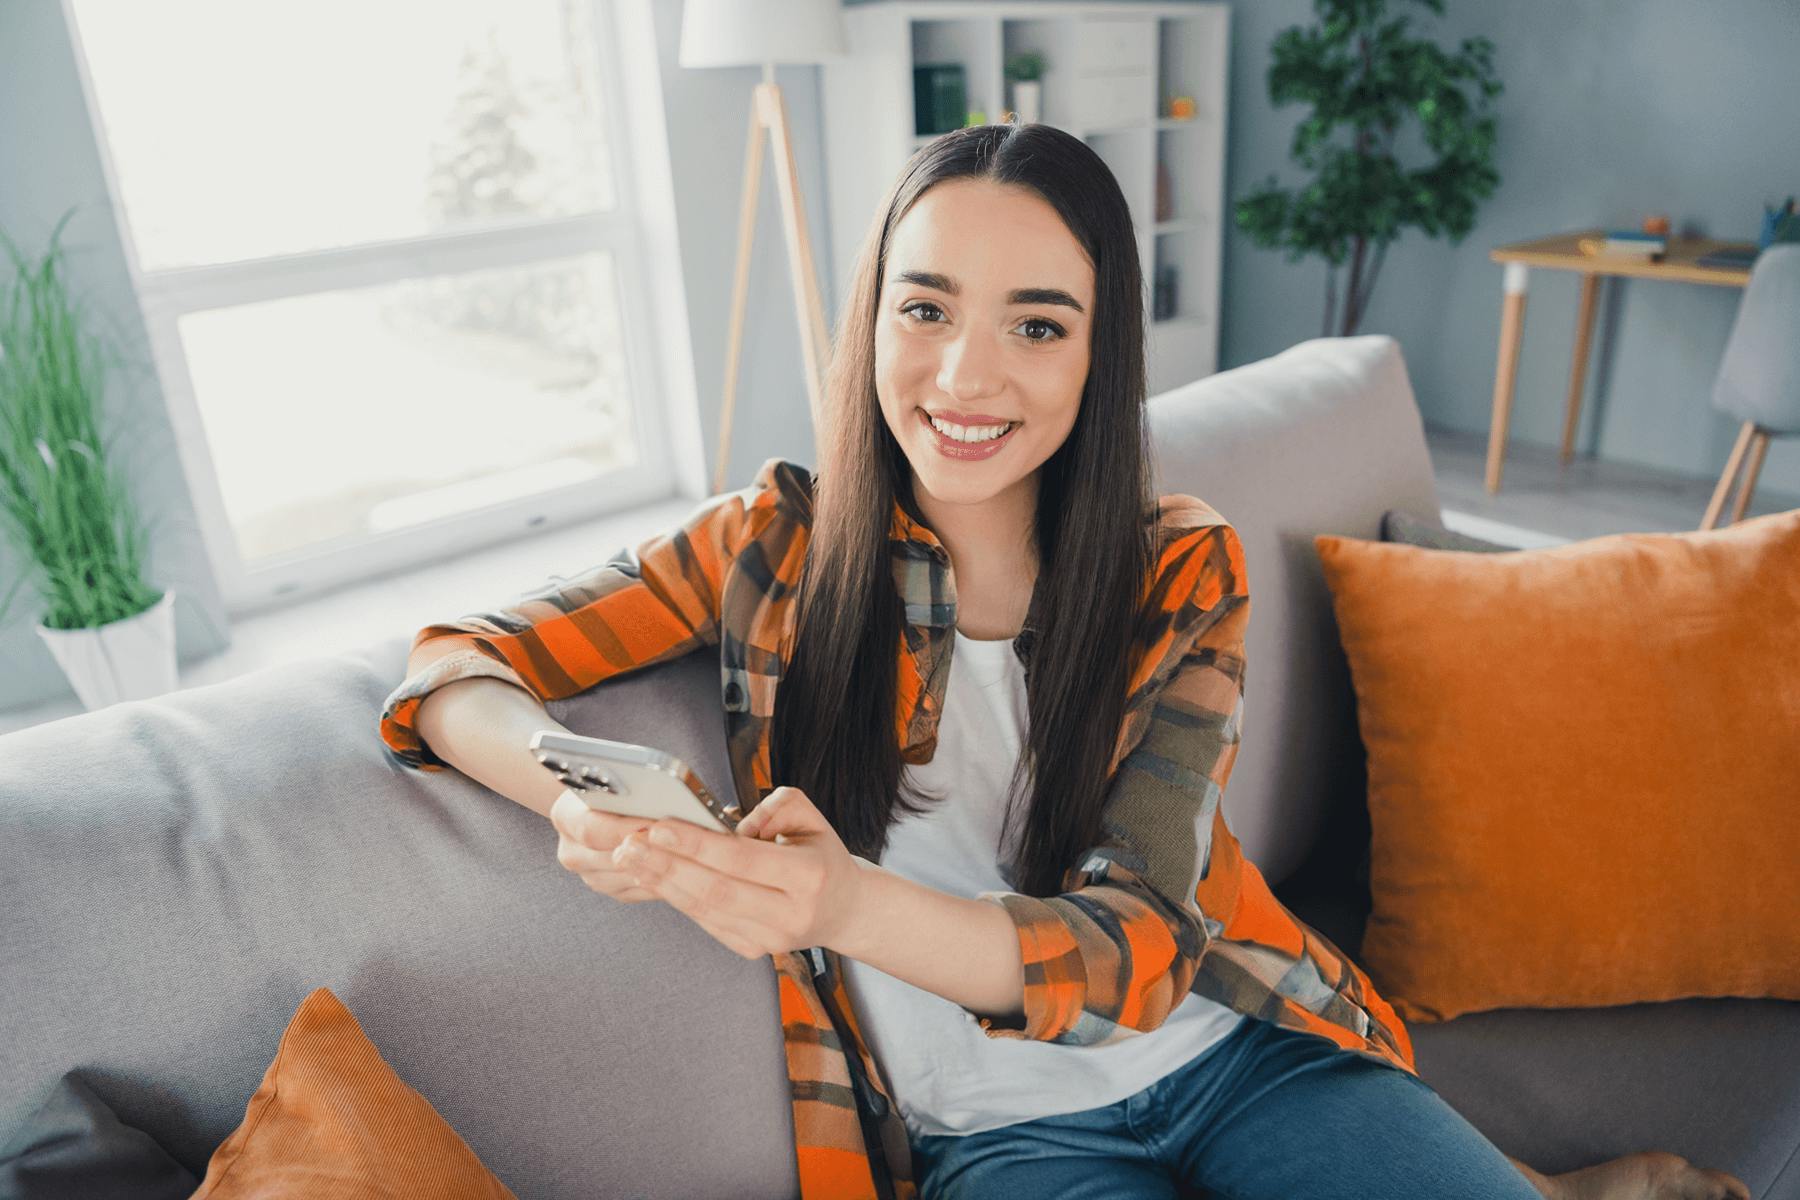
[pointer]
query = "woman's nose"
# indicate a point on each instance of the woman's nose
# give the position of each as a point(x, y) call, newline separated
point(970, 368)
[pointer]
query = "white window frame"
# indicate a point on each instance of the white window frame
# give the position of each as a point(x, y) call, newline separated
point(639, 235)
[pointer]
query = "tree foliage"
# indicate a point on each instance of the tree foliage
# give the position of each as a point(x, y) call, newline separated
point(1368, 83)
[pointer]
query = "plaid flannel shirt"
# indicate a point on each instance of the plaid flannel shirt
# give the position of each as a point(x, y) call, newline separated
point(1164, 905)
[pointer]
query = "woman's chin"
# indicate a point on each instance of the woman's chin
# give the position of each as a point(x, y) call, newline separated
point(962, 483)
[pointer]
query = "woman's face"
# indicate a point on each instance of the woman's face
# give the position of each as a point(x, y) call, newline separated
point(983, 324)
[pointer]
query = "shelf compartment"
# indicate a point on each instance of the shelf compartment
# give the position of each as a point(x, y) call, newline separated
point(1186, 49)
point(1190, 153)
point(1107, 46)
point(1182, 276)
point(1127, 154)
point(1111, 102)
point(1054, 38)
point(974, 45)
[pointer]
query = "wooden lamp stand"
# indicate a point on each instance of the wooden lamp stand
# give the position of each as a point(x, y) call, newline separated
point(768, 118)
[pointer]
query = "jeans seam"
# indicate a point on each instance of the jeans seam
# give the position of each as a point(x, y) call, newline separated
point(1131, 1125)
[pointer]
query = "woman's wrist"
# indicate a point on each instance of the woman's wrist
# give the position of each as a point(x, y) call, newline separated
point(966, 951)
point(852, 932)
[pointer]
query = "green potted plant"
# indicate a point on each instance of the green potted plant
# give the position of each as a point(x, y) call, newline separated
point(1367, 81)
point(63, 507)
point(1025, 70)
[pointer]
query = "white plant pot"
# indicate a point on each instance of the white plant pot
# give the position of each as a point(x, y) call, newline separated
point(130, 659)
point(1028, 100)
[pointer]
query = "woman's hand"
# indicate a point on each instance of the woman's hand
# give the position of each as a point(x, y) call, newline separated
point(586, 839)
point(784, 881)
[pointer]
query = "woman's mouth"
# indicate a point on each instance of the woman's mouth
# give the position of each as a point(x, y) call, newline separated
point(967, 442)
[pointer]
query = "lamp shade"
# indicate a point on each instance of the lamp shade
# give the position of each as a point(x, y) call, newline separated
point(749, 33)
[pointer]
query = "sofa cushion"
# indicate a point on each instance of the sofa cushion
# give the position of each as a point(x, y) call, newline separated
point(1339, 862)
point(73, 1144)
point(332, 1119)
point(1712, 1080)
point(1577, 798)
point(1399, 526)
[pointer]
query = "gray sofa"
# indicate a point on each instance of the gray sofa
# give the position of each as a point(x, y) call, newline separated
point(177, 874)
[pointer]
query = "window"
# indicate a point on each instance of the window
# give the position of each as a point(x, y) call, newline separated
point(383, 253)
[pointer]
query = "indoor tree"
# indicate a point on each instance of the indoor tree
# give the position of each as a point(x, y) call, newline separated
point(1370, 86)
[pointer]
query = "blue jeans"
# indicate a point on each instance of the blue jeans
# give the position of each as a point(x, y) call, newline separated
point(1268, 1113)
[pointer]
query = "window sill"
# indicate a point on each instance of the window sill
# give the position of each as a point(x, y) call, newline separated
point(367, 612)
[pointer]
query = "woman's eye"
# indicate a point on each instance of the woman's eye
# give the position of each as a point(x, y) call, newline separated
point(922, 305)
point(1056, 331)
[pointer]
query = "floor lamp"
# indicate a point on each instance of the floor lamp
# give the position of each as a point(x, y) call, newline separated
point(740, 33)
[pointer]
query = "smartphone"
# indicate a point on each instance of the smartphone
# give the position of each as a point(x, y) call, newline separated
point(628, 780)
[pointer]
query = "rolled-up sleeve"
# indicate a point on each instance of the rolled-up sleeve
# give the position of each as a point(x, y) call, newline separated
point(640, 607)
point(1114, 953)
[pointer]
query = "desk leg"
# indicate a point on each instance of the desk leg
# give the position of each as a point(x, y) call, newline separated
point(1512, 322)
point(1584, 337)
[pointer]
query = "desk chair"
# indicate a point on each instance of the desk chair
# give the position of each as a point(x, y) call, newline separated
point(1759, 376)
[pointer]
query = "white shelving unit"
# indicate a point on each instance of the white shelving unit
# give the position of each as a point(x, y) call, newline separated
point(1110, 73)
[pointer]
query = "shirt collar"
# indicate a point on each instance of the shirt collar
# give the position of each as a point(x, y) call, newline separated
point(903, 528)
point(927, 588)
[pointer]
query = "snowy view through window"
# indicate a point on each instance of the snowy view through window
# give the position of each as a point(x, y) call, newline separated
point(248, 132)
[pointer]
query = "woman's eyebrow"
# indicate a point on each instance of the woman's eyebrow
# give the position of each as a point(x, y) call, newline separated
point(1035, 295)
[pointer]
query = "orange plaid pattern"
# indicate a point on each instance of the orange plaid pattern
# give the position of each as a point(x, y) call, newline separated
point(1164, 905)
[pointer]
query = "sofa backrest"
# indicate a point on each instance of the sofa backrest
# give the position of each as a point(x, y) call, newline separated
point(1321, 438)
point(177, 874)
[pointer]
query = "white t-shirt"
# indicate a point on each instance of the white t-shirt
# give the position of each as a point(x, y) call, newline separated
point(946, 1074)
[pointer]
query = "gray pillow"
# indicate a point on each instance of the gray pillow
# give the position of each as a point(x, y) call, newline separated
point(74, 1148)
point(1397, 526)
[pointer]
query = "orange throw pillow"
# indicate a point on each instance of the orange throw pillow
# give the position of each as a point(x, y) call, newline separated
point(1584, 767)
point(332, 1121)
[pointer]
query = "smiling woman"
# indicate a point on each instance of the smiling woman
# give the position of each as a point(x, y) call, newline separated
point(983, 692)
point(996, 319)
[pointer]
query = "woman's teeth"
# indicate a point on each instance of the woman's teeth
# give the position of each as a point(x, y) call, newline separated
point(964, 433)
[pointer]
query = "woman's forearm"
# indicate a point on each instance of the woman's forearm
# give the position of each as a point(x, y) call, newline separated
point(482, 726)
point(966, 951)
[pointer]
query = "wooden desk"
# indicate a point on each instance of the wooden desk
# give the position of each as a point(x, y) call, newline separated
point(1563, 253)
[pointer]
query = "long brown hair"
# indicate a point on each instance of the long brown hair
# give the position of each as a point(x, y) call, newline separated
point(834, 728)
